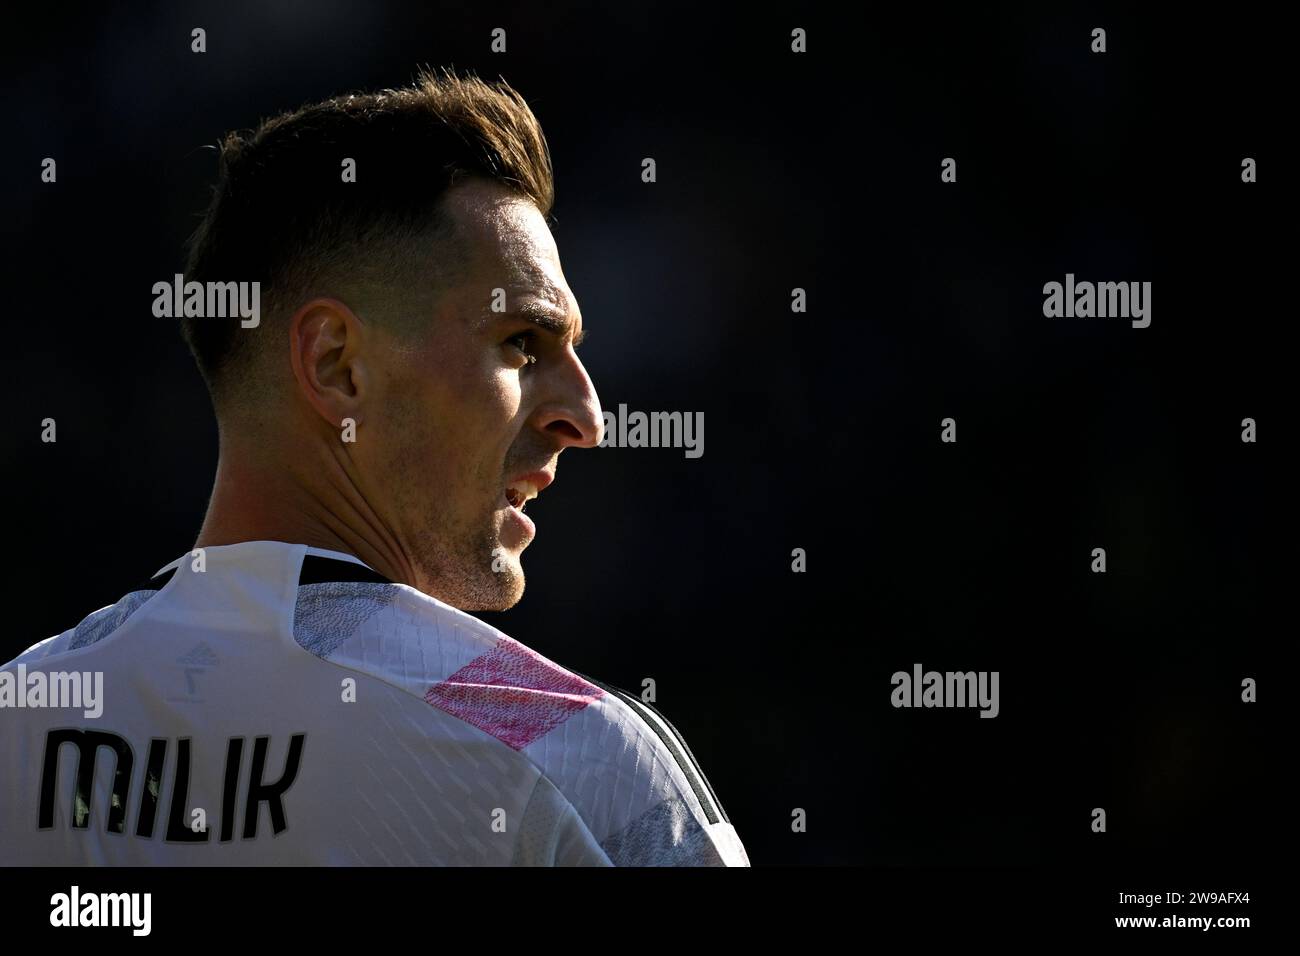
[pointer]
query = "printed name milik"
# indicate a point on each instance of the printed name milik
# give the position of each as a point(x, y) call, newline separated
point(1084, 300)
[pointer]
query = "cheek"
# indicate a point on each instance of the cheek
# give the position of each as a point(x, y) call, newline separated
point(487, 400)
point(475, 416)
point(459, 417)
point(474, 390)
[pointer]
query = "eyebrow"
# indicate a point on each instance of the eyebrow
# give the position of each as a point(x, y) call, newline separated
point(547, 318)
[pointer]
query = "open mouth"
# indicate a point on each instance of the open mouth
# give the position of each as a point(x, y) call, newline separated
point(520, 493)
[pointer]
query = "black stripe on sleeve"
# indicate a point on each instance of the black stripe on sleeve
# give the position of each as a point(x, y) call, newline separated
point(676, 745)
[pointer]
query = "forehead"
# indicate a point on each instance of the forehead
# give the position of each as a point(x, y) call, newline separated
point(507, 242)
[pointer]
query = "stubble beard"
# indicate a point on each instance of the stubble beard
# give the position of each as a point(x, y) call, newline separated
point(466, 565)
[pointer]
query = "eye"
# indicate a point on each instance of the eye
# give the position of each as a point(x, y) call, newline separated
point(522, 343)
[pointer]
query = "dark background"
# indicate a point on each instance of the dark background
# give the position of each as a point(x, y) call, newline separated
point(775, 170)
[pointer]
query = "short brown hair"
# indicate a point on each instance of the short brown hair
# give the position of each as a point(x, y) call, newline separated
point(282, 215)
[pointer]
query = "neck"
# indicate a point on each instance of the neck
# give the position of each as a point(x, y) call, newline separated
point(316, 504)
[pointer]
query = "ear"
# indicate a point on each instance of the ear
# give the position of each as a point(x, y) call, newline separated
point(326, 350)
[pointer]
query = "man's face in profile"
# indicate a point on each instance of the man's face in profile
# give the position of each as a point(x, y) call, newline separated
point(470, 416)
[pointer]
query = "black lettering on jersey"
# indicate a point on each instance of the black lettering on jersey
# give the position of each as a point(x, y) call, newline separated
point(230, 790)
point(178, 824)
point(270, 793)
point(88, 743)
point(153, 776)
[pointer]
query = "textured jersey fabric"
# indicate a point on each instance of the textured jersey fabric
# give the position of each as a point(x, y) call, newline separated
point(285, 705)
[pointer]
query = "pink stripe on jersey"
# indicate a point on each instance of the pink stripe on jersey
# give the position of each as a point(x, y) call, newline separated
point(513, 693)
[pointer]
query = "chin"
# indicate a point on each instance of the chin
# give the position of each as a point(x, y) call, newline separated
point(502, 592)
point(514, 595)
point(502, 603)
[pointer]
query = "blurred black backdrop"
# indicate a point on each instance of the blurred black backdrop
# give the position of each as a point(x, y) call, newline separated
point(775, 171)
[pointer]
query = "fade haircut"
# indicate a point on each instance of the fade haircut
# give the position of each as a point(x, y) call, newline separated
point(282, 215)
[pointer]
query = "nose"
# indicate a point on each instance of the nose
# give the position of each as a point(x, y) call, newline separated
point(571, 416)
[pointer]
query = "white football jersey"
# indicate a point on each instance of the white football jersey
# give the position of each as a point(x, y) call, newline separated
point(274, 703)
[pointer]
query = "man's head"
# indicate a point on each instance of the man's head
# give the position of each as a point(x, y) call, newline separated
point(424, 302)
